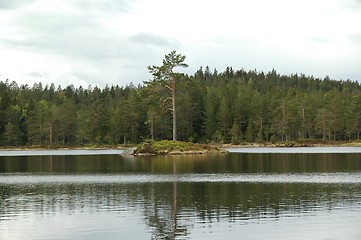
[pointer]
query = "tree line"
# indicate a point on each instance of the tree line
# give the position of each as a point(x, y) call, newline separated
point(221, 107)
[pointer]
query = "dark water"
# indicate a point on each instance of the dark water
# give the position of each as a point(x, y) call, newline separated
point(234, 196)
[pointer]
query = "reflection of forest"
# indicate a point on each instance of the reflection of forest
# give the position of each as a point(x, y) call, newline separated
point(171, 209)
point(231, 163)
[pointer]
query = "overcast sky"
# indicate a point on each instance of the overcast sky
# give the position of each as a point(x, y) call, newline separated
point(99, 42)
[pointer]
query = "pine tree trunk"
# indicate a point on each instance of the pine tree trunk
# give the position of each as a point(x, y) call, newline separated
point(51, 135)
point(174, 112)
point(152, 128)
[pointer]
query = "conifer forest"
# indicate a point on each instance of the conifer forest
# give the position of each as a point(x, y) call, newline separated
point(233, 106)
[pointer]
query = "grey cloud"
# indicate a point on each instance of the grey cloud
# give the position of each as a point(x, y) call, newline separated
point(65, 34)
point(157, 40)
point(321, 40)
point(84, 5)
point(11, 4)
point(105, 5)
point(60, 23)
point(94, 52)
point(37, 74)
point(353, 6)
point(355, 38)
point(77, 34)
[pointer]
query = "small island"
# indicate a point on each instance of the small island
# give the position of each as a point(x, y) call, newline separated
point(170, 147)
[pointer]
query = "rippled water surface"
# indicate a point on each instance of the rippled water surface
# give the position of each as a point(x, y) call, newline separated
point(242, 195)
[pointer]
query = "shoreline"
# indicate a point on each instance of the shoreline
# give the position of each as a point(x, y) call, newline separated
point(58, 152)
point(37, 148)
point(294, 144)
point(221, 146)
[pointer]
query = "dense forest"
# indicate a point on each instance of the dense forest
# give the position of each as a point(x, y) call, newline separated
point(223, 107)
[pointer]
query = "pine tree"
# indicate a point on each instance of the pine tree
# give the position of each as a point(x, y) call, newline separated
point(164, 75)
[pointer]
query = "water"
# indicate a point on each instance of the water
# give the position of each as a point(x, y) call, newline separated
point(242, 195)
point(296, 150)
point(75, 152)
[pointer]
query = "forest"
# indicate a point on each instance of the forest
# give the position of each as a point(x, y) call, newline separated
point(233, 106)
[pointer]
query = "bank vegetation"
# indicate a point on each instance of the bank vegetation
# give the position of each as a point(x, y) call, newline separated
point(228, 107)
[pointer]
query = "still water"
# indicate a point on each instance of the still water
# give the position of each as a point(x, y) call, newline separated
point(253, 194)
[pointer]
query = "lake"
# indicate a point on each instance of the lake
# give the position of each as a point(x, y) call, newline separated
point(250, 193)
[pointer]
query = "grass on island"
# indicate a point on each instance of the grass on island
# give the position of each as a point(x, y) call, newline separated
point(166, 147)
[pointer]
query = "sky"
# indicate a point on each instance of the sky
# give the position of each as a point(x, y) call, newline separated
point(111, 42)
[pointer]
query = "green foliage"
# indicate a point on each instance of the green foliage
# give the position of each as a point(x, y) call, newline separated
point(170, 146)
point(145, 148)
point(164, 76)
point(235, 133)
point(40, 123)
point(212, 106)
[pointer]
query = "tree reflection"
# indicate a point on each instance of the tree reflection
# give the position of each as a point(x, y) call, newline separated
point(170, 209)
point(163, 219)
point(230, 163)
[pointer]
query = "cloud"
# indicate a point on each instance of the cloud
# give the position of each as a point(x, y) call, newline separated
point(37, 74)
point(351, 6)
point(11, 4)
point(104, 5)
point(85, 5)
point(113, 41)
point(79, 45)
point(156, 40)
point(64, 34)
point(356, 38)
point(72, 46)
point(321, 40)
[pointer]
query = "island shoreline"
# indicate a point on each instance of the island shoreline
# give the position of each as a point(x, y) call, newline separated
point(216, 145)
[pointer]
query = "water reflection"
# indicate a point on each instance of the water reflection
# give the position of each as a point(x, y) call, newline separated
point(173, 209)
point(289, 150)
point(181, 197)
point(230, 163)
